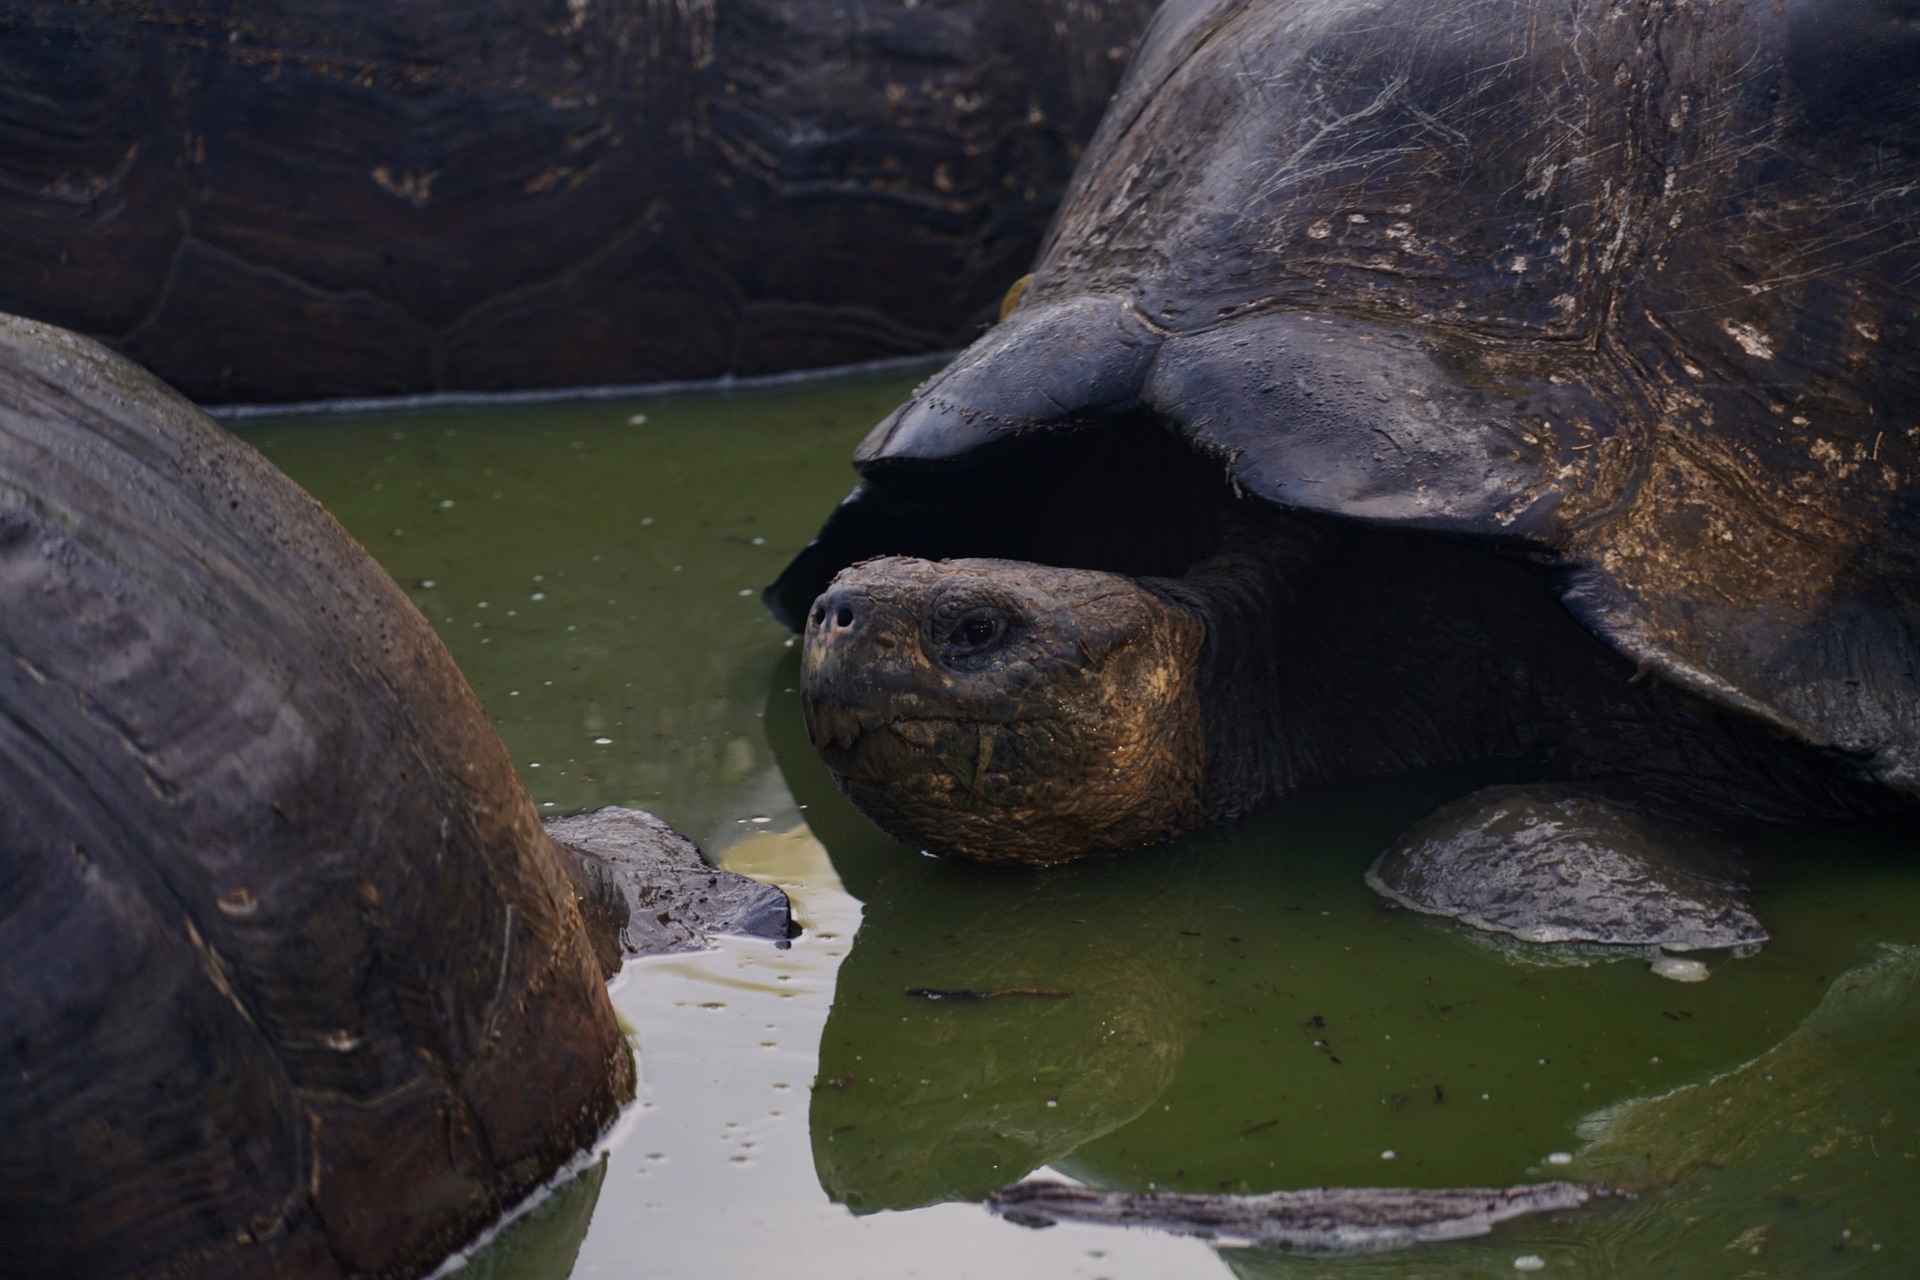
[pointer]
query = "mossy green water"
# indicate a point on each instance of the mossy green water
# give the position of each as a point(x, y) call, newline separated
point(1238, 1011)
point(596, 569)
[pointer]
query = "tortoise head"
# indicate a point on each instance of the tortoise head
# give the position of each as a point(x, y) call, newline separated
point(1005, 711)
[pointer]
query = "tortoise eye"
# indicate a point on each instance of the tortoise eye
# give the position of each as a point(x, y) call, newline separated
point(977, 632)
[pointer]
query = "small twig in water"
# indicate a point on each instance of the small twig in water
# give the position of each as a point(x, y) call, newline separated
point(962, 993)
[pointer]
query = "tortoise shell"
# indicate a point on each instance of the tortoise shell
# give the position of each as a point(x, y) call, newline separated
point(1628, 289)
point(292, 981)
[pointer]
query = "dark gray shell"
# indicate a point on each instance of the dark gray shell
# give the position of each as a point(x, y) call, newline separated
point(292, 982)
point(1631, 287)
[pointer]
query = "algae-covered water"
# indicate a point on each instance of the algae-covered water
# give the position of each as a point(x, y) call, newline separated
point(1241, 1016)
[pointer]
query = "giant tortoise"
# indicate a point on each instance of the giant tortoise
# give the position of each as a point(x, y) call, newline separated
point(293, 983)
point(1414, 384)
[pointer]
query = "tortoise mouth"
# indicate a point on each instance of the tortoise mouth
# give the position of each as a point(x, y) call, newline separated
point(877, 749)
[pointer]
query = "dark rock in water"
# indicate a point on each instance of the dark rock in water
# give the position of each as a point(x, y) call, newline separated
point(292, 982)
point(1548, 864)
point(1321, 1220)
point(650, 892)
point(279, 201)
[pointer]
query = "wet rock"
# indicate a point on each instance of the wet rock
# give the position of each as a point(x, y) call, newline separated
point(645, 889)
point(282, 201)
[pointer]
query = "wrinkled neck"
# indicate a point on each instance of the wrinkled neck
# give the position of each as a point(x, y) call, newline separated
point(1335, 653)
point(1242, 595)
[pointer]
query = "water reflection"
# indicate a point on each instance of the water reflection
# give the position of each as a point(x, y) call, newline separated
point(1288, 1032)
point(1799, 1162)
point(920, 1100)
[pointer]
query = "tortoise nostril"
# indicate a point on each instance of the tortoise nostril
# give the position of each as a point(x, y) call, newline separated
point(837, 614)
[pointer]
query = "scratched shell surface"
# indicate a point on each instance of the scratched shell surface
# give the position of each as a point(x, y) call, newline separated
point(1628, 285)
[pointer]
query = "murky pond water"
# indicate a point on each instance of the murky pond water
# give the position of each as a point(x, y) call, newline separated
point(1240, 1014)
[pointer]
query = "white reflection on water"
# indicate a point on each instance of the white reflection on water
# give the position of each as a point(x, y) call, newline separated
point(715, 1176)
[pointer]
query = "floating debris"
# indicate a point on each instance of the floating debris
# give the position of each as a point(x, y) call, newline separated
point(963, 993)
point(1322, 1220)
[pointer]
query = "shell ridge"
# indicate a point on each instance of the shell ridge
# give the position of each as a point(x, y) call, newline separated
point(1328, 414)
point(1054, 365)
